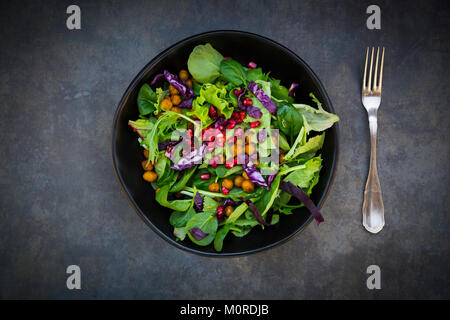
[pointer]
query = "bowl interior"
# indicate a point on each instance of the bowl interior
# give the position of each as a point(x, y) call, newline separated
point(243, 47)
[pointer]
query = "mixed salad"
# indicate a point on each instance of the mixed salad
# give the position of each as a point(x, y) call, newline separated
point(227, 148)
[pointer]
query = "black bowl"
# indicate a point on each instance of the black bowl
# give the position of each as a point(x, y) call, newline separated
point(243, 47)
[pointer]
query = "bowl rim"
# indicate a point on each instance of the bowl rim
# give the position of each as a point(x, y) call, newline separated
point(141, 214)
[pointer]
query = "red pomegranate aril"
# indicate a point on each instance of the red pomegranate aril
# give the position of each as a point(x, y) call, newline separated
point(252, 65)
point(248, 102)
point(235, 115)
point(237, 92)
point(225, 191)
point(213, 163)
point(255, 124)
point(235, 161)
point(212, 110)
point(220, 128)
point(229, 164)
point(239, 121)
point(231, 125)
point(205, 176)
point(242, 114)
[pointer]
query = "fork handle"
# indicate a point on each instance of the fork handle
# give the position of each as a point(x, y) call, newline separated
point(373, 209)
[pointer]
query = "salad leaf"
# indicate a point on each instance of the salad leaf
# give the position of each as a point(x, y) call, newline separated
point(290, 120)
point(279, 91)
point(142, 126)
point(312, 145)
point(209, 204)
point(265, 203)
point(305, 177)
point(191, 159)
point(303, 197)
point(207, 224)
point(180, 233)
point(146, 100)
point(233, 71)
point(168, 143)
point(317, 119)
point(180, 184)
point(221, 234)
point(197, 233)
point(204, 63)
point(237, 212)
point(255, 176)
point(176, 82)
point(186, 103)
point(255, 211)
point(255, 74)
point(263, 97)
point(198, 202)
point(179, 219)
point(292, 89)
point(178, 205)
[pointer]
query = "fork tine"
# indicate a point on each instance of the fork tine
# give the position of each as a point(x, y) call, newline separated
point(381, 71)
point(365, 70)
point(369, 86)
point(376, 70)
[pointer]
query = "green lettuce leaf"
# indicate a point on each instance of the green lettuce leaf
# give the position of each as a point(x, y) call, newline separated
point(306, 178)
point(204, 63)
point(317, 119)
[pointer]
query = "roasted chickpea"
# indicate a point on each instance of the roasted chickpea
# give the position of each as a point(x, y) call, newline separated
point(146, 165)
point(248, 186)
point(150, 176)
point(172, 90)
point(229, 210)
point(238, 181)
point(184, 75)
point(166, 104)
point(227, 183)
point(146, 154)
point(176, 109)
point(244, 174)
point(250, 148)
point(176, 100)
point(189, 83)
point(214, 187)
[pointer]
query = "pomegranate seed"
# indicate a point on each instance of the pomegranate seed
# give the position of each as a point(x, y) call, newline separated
point(239, 120)
point(229, 165)
point(248, 102)
point(213, 164)
point(255, 124)
point(231, 125)
point(237, 92)
point(235, 115)
point(190, 133)
point(242, 114)
point(220, 128)
point(205, 176)
point(252, 65)
point(212, 110)
point(211, 139)
point(225, 190)
point(235, 161)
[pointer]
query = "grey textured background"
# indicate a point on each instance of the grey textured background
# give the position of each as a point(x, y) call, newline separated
point(60, 203)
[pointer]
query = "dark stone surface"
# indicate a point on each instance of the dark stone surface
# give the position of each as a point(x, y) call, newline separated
point(60, 203)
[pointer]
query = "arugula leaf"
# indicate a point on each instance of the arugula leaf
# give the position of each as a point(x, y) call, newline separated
point(204, 63)
point(178, 205)
point(207, 223)
point(233, 71)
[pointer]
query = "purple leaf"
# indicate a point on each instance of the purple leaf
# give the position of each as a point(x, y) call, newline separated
point(303, 197)
point(271, 177)
point(292, 89)
point(263, 97)
point(254, 112)
point(198, 234)
point(190, 160)
point(186, 104)
point(168, 143)
point(255, 176)
point(177, 83)
point(240, 103)
point(255, 211)
point(220, 122)
point(230, 202)
point(198, 202)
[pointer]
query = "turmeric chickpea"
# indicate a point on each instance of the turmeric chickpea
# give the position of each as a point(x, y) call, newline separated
point(166, 104)
point(146, 165)
point(176, 109)
point(176, 100)
point(146, 154)
point(227, 183)
point(172, 90)
point(214, 187)
point(244, 174)
point(248, 186)
point(229, 210)
point(184, 75)
point(238, 181)
point(189, 83)
point(150, 176)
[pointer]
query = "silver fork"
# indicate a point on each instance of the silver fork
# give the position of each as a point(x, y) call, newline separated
point(373, 209)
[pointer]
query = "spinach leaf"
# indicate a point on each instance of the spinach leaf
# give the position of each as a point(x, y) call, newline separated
point(209, 204)
point(178, 205)
point(207, 223)
point(279, 91)
point(179, 185)
point(255, 74)
point(179, 219)
point(265, 203)
point(223, 172)
point(221, 234)
point(204, 63)
point(180, 233)
point(146, 100)
point(290, 120)
point(233, 71)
